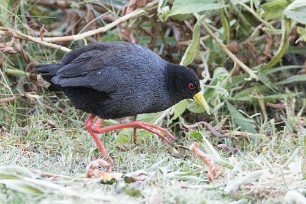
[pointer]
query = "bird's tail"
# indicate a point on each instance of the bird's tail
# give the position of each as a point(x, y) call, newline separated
point(48, 71)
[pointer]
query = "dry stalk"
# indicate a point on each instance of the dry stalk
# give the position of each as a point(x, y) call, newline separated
point(19, 35)
point(214, 170)
point(103, 29)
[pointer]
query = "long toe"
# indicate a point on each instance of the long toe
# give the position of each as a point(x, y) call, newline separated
point(150, 129)
point(160, 129)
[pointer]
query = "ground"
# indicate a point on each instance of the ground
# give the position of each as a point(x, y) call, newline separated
point(44, 157)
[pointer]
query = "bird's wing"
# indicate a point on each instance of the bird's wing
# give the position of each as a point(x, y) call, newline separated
point(88, 70)
point(82, 65)
point(105, 80)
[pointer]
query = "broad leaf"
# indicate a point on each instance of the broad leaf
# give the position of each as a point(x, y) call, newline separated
point(179, 108)
point(192, 50)
point(244, 123)
point(297, 11)
point(193, 6)
point(273, 9)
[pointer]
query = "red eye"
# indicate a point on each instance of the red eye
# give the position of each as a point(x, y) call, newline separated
point(191, 86)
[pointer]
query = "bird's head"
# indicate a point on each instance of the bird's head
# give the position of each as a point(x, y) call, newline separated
point(184, 83)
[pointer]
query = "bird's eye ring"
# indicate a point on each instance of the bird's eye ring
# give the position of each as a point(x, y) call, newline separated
point(191, 86)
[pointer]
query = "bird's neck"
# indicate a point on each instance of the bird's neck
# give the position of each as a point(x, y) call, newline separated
point(173, 70)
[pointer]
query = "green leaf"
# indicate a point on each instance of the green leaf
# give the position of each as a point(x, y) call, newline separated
point(163, 10)
point(126, 135)
point(16, 171)
point(268, 98)
point(226, 26)
point(192, 50)
point(297, 11)
point(286, 28)
point(244, 123)
point(302, 32)
point(193, 6)
point(234, 185)
point(282, 68)
point(247, 93)
point(293, 79)
point(108, 122)
point(217, 86)
point(208, 147)
point(274, 9)
point(195, 107)
point(21, 186)
point(194, 175)
point(149, 117)
point(179, 108)
point(132, 191)
point(5, 13)
point(216, 54)
point(198, 136)
point(274, 97)
point(161, 4)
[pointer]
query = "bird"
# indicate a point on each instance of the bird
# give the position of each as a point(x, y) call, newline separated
point(111, 80)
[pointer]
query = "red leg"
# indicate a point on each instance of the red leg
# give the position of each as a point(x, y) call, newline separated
point(89, 125)
point(136, 125)
point(95, 128)
point(97, 123)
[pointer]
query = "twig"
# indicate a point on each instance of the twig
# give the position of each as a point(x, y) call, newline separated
point(279, 106)
point(9, 99)
point(103, 29)
point(209, 127)
point(17, 34)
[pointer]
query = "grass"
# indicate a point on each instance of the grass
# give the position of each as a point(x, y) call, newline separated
point(55, 149)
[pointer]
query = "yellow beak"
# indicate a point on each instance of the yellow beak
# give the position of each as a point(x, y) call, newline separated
point(199, 98)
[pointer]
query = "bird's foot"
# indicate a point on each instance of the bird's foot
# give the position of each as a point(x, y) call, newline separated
point(96, 128)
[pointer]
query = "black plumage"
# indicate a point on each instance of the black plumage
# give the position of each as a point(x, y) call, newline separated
point(118, 79)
